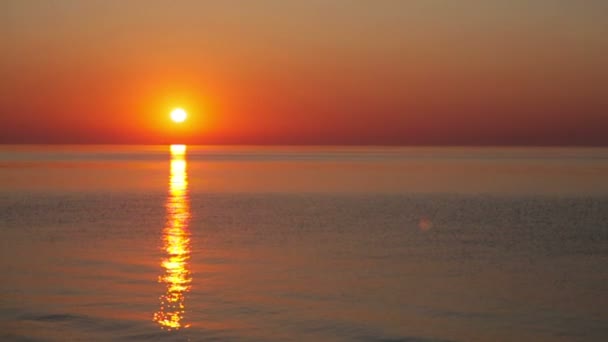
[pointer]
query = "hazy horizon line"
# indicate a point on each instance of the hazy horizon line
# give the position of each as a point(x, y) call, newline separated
point(317, 145)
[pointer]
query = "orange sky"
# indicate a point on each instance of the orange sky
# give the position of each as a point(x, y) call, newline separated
point(315, 72)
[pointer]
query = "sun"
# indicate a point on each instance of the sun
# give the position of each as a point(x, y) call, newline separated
point(178, 115)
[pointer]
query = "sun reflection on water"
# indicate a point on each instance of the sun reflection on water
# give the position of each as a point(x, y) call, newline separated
point(176, 245)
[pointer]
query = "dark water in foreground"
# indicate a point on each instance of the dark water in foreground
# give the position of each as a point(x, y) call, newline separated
point(303, 244)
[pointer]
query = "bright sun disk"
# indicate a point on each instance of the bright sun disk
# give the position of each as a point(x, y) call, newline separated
point(178, 115)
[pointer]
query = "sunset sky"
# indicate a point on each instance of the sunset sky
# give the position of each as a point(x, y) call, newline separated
point(305, 72)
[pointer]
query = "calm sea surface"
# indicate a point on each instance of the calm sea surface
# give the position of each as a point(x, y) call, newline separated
point(303, 244)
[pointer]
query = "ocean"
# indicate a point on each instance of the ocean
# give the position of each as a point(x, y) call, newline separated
point(249, 243)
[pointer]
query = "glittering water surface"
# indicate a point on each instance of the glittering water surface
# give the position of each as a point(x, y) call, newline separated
point(303, 243)
point(176, 242)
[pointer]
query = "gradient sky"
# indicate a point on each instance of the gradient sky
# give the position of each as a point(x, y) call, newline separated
point(476, 72)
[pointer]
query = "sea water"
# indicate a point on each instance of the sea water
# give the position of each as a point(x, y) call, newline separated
point(244, 243)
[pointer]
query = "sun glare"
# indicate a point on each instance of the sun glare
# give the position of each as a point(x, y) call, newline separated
point(178, 149)
point(176, 274)
point(178, 115)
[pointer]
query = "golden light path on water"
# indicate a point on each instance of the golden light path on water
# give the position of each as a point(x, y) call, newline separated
point(176, 245)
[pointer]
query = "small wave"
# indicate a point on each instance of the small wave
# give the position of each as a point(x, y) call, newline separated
point(403, 339)
point(52, 317)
